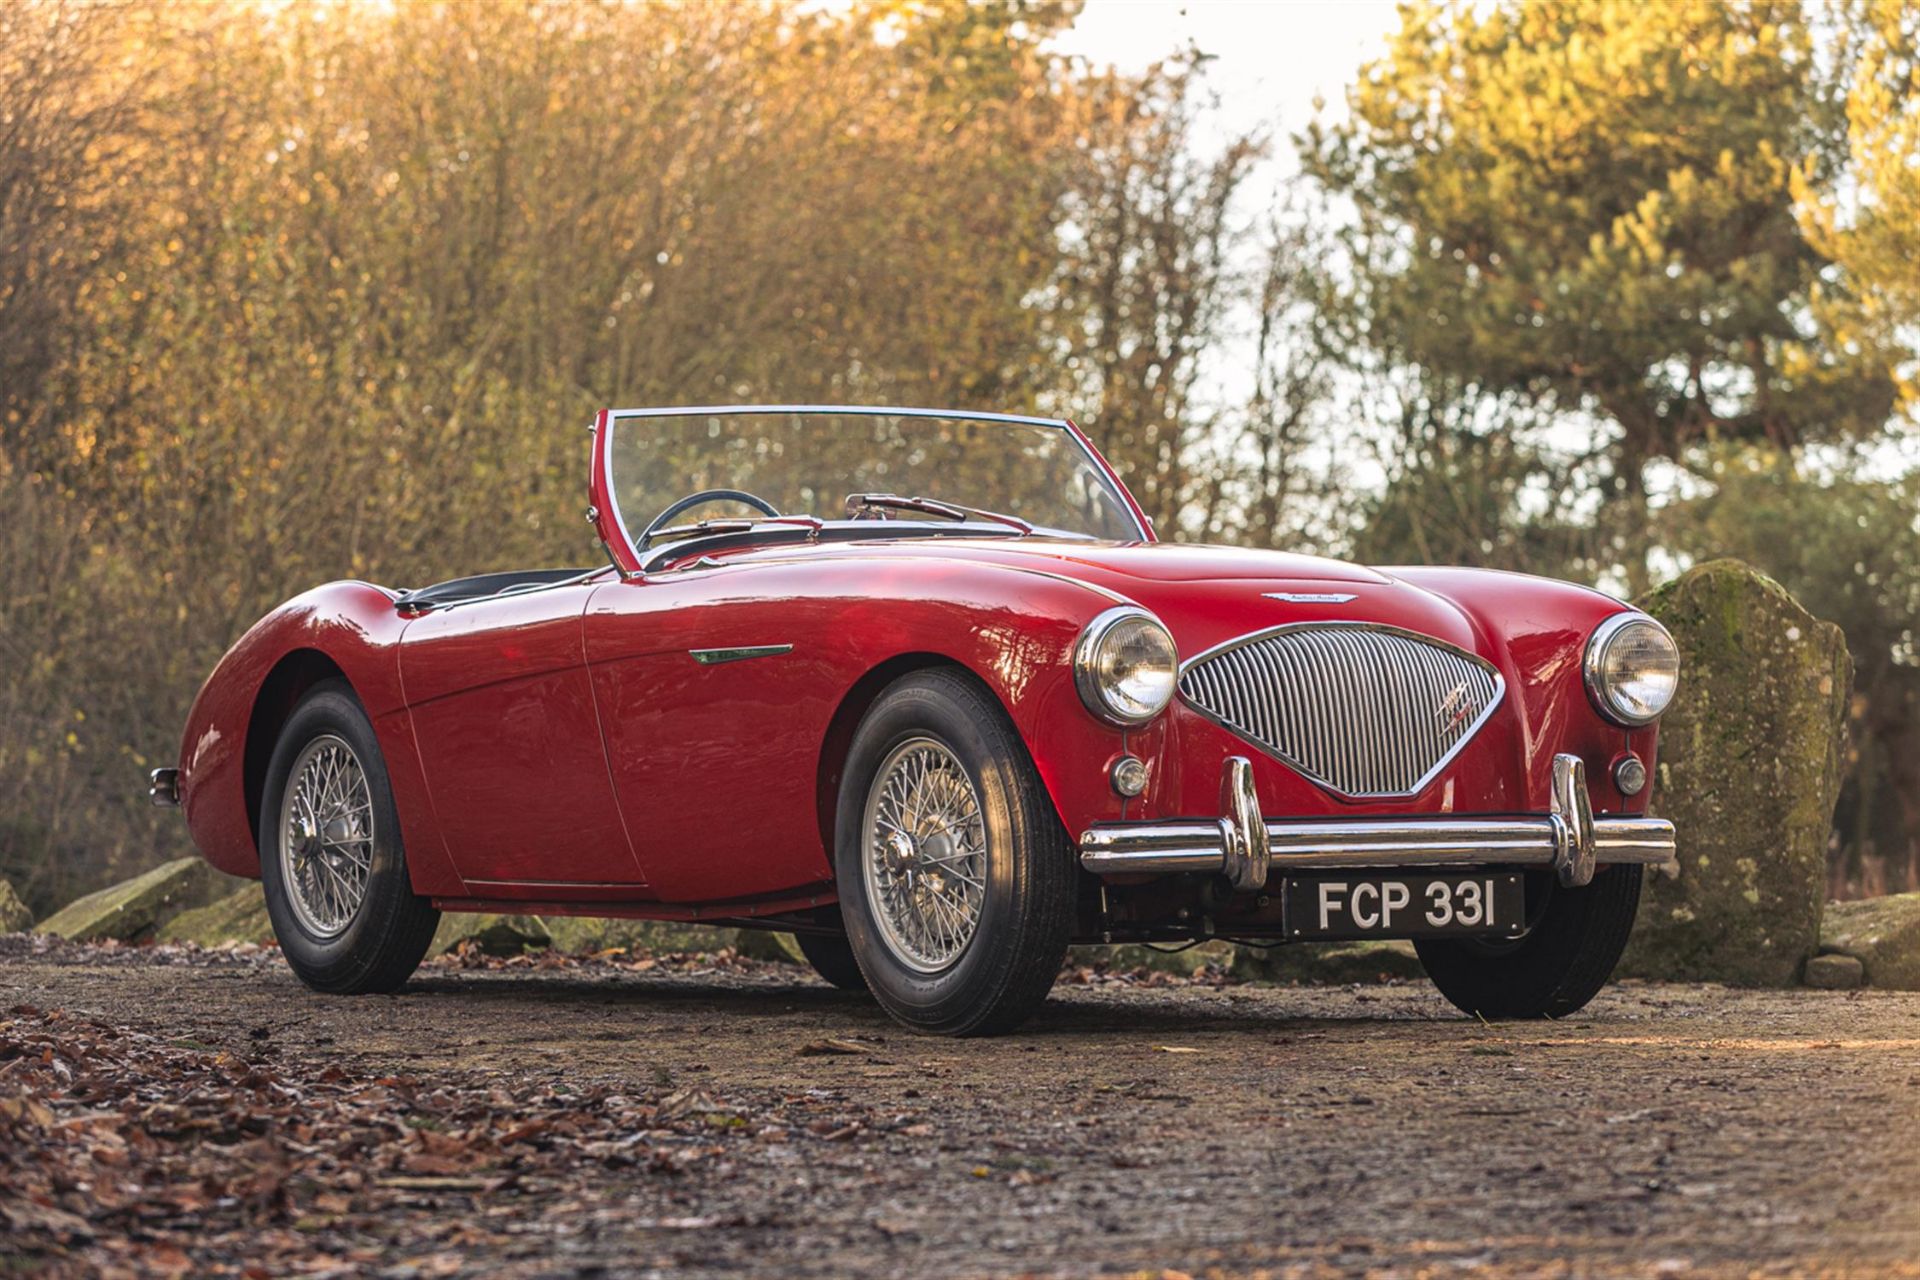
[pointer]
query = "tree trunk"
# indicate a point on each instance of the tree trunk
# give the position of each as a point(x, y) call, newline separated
point(1636, 533)
point(1903, 771)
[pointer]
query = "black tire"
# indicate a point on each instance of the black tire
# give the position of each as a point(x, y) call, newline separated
point(383, 941)
point(1565, 958)
point(831, 956)
point(1004, 971)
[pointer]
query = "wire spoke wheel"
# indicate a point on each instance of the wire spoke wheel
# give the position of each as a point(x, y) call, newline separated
point(326, 836)
point(925, 856)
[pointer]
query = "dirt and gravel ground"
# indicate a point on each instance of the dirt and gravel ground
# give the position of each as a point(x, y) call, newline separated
point(193, 1112)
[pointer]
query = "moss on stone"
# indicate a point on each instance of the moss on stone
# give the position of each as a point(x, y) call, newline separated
point(1329, 963)
point(1749, 770)
point(495, 935)
point(1159, 959)
point(241, 916)
point(1834, 973)
point(585, 935)
point(1882, 933)
point(132, 910)
point(14, 915)
point(765, 944)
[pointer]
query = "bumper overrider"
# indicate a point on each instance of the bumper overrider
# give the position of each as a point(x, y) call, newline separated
point(1246, 848)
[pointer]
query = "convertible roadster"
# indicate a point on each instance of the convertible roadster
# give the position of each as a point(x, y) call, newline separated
point(924, 689)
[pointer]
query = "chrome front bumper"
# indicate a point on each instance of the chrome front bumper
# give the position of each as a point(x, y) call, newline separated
point(1245, 847)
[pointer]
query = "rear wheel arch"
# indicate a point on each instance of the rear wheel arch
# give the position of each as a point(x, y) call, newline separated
point(292, 677)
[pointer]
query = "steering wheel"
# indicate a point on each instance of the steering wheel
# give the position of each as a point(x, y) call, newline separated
point(693, 500)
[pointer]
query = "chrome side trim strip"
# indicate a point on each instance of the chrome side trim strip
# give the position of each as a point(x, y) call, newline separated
point(1569, 839)
point(714, 657)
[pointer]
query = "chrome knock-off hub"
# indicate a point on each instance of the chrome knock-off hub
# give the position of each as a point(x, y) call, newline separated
point(925, 860)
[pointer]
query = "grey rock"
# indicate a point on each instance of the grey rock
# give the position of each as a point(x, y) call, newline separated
point(765, 944)
point(14, 915)
point(132, 910)
point(1834, 973)
point(241, 916)
point(494, 935)
point(589, 935)
point(1127, 956)
point(1749, 770)
point(1883, 934)
point(1329, 963)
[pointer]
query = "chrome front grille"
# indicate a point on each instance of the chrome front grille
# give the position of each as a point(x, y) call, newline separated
point(1363, 709)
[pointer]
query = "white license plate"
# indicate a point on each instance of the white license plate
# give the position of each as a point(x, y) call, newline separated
point(1404, 906)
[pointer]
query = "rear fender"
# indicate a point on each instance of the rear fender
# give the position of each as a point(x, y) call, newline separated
point(344, 630)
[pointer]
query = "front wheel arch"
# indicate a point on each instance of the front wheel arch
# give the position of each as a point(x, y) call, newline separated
point(1024, 897)
point(852, 709)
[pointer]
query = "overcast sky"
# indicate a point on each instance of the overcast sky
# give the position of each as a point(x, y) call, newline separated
point(1271, 56)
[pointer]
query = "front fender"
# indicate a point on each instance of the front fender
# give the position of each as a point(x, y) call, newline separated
point(1535, 630)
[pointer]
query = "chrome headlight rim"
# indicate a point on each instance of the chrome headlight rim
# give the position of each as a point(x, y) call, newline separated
point(1086, 678)
point(1594, 665)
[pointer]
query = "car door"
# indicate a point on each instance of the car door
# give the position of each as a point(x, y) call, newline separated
point(510, 743)
point(714, 702)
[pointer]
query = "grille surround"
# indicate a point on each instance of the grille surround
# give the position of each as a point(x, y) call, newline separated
point(1358, 708)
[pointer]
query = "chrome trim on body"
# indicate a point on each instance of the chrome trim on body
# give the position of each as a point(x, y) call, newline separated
point(1092, 696)
point(848, 410)
point(163, 788)
point(1361, 751)
point(740, 653)
point(1247, 849)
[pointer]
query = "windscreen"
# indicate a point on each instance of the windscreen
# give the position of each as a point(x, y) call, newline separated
point(807, 462)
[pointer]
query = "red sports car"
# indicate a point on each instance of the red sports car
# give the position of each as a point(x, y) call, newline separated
point(923, 688)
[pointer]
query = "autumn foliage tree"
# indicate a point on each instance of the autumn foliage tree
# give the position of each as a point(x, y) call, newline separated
point(1590, 207)
point(293, 293)
point(1870, 224)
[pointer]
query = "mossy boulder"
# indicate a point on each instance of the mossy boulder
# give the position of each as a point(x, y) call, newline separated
point(587, 935)
point(14, 915)
point(133, 910)
point(241, 916)
point(1834, 973)
point(494, 935)
point(1159, 958)
point(1329, 963)
point(1883, 934)
point(768, 945)
point(1749, 770)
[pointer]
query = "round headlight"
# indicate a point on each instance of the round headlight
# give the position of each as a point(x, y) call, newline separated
point(1125, 666)
point(1632, 669)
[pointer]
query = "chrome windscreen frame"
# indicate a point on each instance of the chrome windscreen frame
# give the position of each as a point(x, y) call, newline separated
point(1127, 502)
